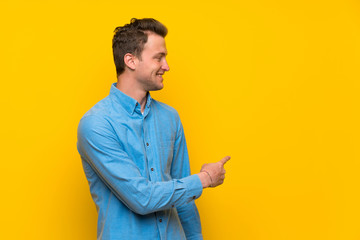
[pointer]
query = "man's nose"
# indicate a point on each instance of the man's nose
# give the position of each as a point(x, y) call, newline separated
point(165, 66)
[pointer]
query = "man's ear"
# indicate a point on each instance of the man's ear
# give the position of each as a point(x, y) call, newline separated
point(130, 61)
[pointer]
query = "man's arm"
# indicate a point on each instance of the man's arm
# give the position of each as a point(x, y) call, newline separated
point(99, 146)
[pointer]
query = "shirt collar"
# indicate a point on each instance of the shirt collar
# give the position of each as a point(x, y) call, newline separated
point(127, 102)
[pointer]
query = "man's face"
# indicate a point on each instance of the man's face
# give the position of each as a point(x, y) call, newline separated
point(153, 65)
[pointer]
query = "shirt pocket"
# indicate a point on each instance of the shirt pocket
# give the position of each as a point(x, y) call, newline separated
point(166, 153)
point(167, 145)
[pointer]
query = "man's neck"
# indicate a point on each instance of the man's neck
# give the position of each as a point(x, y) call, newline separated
point(132, 91)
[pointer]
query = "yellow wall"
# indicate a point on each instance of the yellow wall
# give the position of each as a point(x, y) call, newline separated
point(274, 84)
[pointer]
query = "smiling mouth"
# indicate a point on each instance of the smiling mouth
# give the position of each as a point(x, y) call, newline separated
point(160, 75)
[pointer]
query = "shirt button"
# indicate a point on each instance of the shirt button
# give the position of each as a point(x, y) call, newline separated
point(152, 169)
point(147, 144)
point(194, 197)
point(160, 220)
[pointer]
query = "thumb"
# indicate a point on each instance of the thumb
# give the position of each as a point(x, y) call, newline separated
point(225, 159)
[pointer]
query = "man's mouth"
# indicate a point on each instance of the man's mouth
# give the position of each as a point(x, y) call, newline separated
point(159, 74)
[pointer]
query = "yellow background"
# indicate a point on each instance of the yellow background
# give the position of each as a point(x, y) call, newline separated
point(274, 84)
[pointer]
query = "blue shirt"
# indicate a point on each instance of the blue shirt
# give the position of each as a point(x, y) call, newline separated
point(137, 166)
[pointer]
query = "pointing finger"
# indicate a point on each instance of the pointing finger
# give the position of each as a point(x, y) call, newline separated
point(225, 159)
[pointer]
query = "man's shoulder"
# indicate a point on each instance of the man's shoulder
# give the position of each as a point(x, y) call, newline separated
point(96, 116)
point(100, 109)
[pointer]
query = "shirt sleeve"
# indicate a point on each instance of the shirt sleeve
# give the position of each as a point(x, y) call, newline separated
point(100, 148)
point(188, 213)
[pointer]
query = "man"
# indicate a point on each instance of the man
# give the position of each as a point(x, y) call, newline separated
point(133, 148)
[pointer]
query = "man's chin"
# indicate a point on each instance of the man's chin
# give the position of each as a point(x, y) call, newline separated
point(157, 88)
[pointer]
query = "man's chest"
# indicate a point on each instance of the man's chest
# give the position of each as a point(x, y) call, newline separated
point(149, 142)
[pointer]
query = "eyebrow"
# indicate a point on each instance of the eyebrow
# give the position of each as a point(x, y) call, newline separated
point(160, 54)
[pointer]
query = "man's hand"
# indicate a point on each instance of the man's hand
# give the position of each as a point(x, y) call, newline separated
point(213, 174)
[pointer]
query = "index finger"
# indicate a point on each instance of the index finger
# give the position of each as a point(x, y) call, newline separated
point(225, 159)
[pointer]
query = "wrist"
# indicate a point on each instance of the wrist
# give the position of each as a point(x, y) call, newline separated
point(205, 179)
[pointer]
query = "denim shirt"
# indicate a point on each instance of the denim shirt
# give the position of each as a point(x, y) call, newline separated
point(137, 167)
